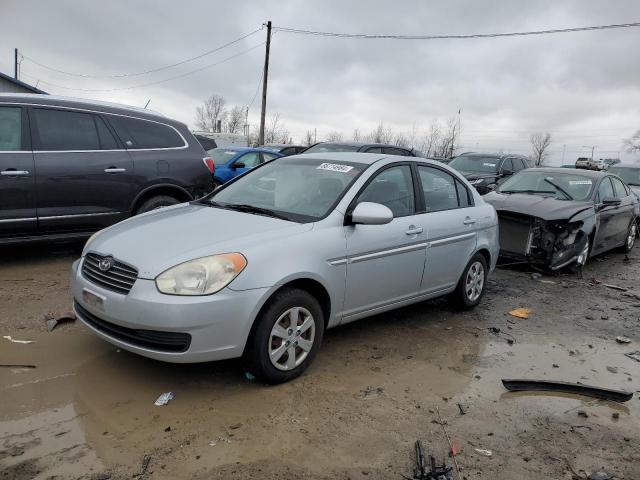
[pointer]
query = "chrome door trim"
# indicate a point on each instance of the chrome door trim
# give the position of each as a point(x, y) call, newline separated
point(114, 170)
point(14, 173)
point(386, 252)
point(76, 215)
point(448, 240)
point(24, 219)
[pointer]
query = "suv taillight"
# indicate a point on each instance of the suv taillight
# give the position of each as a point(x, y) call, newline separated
point(208, 162)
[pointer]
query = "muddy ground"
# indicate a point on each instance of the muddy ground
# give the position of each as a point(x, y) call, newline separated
point(87, 410)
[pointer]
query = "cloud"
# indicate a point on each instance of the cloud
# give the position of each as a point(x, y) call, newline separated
point(581, 87)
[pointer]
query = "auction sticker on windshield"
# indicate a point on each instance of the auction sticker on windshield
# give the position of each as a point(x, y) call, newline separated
point(580, 182)
point(334, 167)
point(488, 164)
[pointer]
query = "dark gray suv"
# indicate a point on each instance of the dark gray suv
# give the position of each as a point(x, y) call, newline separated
point(69, 167)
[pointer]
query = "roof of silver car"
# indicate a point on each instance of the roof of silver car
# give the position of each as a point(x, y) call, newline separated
point(354, 157)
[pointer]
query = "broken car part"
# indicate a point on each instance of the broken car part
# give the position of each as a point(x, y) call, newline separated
point(435, 472)
point(551, 386)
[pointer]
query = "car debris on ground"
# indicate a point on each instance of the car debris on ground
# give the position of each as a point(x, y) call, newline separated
point(623, 339)
point(164, 399)
point(483, 452)
point(565, 387)
point(635, 355)
point(53, 319)
point(14, 340)
point(434, 471)
point(520, 312)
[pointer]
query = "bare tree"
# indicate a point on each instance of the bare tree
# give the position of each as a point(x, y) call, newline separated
point(632, 144)
point(540, 144)
point(208, 114)
point(275, 131)
point(431, 140)
point(308, 138)
point(381, 134)
point(334, 136)
point(357, 136)
point(235, 119)
point(448, 141)
point(401, 140)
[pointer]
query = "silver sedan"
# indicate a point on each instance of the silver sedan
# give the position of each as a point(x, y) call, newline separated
point(261, 267)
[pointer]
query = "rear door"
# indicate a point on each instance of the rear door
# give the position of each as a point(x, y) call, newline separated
point(625, 212)
point(17, 176)
point(83, 175)
point(449, 221)
point(606, 218)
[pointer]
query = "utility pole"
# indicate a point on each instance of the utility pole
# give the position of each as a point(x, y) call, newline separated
point(15, 63)
point(264, 84)
point(246, 124)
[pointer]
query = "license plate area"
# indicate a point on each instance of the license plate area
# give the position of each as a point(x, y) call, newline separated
point(93, 300)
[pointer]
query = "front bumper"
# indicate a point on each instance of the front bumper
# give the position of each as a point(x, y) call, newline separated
point(218, 324)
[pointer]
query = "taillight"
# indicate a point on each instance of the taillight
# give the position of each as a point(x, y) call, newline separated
point(208, 162)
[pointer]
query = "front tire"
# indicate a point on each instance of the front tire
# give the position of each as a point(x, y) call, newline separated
point(286, 338)
point(471, 286)
point(630, 239)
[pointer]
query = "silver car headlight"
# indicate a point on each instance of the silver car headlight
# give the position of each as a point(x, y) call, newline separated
point(202, 276)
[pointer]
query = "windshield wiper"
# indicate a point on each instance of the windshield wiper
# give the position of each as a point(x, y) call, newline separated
point(243, 207)
point(550, 182)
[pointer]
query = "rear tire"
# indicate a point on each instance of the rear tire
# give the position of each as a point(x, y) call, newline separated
point(156, 202)
point(286, 337)
point(472, 283)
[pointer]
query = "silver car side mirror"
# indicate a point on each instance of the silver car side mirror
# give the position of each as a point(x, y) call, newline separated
point(369, 213)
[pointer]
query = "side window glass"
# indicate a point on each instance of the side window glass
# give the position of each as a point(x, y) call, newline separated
point(374, 150)
point(396, 151)
point(250, 160)
point(393, 188)
point(65, 130)
point(267, 156)
point(507, 165)
point(464, 199)
point(621, 191)
point(440, 191)
point(605, 190)
point(10, 129)
point(107, 142)
point(137, 133)
point(517, 164)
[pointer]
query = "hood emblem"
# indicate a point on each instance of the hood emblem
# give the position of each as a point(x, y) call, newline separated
point(106, 263)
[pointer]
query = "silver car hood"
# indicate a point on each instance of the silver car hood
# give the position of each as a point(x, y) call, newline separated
point(158, 240)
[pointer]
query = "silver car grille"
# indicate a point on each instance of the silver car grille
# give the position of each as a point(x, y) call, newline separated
point(119, 277)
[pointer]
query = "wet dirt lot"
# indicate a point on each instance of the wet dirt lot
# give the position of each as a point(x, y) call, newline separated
point(87, 410)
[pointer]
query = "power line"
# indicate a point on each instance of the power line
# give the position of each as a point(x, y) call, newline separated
point(122, 75)
point(150, 83)
point(453, 37)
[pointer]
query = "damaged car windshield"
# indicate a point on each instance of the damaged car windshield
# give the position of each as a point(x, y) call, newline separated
point(564, 186)
point(475, 163)
point(300, 190)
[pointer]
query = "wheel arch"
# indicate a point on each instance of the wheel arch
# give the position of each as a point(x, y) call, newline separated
point(168, 189)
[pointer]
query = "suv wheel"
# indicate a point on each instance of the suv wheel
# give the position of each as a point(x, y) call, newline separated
point(156, 202)
point(471, 285)
point(286, 338)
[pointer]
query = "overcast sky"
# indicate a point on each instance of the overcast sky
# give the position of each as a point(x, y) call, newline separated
point(583, 88)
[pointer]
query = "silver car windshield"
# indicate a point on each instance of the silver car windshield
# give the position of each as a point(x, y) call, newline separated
point(561, 185)
point(296, 189)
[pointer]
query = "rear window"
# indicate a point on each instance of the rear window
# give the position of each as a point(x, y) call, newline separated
point(137, 133)
point(331, 147)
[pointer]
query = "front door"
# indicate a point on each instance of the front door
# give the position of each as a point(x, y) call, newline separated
point(385, 262)
point(625, 211)
point(449, 228)
point(83, 175)
point(246, 162)
point(17, 176)
point(608, 230)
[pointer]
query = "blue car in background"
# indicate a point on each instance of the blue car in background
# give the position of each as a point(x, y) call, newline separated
point(233, 161)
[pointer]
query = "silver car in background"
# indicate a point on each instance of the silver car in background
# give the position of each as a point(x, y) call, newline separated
point(261, 267)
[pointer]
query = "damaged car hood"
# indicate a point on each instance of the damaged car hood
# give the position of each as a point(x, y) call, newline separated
point(546, 208)
point(158, 240)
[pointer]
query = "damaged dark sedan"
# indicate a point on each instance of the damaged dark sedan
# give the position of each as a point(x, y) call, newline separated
point(555, 218)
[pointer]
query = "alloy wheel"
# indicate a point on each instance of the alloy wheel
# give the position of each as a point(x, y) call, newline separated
point(474, 283)
point(631, 237)
point(291, 338)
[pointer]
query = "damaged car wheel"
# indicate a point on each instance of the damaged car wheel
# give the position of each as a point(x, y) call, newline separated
point(286, 338)
point(471, 285)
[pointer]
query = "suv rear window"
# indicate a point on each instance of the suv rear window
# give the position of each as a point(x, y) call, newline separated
point(10, 128)
point(137, 133)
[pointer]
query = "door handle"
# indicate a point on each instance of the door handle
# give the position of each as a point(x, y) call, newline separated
point(114, 170)
point(469, 221)
point(413, 230)
point(14, 172)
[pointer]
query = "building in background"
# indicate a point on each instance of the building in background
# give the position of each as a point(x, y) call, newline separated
point(11, 85)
